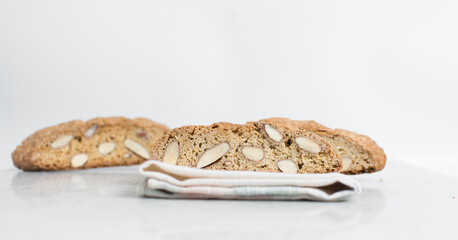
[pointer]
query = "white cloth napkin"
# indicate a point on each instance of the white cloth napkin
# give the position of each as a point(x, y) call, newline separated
point(171, 181)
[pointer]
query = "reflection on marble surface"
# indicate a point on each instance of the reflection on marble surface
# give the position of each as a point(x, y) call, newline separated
point(400, 201)
point(101, 183)
point(199, 218)
point(254, 220)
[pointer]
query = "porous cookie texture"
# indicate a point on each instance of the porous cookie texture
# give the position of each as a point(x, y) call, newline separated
point(99, 142)
point(359, 153)
point(253, 146)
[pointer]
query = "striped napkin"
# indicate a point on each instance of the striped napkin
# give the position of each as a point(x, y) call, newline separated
point(171, 181)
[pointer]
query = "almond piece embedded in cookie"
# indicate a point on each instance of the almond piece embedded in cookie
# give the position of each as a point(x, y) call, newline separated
point(346, 163)
point(253, 153)
point(213, 154)
point(62, 141)
point(79, 160)
point(90, 132)
point(137, 148)
point(171, 153)
point(287, 166)
point(106, 148)
point(308, 144)
point(273, 133)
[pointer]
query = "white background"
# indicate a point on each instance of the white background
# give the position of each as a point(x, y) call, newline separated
point(388, 69)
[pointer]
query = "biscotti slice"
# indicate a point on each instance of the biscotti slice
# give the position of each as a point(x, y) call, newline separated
point(252, 147)
point(359, 153)
point(99, 142)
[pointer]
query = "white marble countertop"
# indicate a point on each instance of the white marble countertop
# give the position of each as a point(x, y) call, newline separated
point(399, 202)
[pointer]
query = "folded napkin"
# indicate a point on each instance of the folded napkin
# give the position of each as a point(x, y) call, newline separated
point(171, 181)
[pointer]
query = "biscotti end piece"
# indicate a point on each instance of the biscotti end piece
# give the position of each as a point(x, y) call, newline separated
point(99, 142)
point(251, 147)
point(359, 153)
point(375, 152)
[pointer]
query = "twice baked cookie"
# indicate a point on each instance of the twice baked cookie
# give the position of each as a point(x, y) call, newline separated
point(253, 146)
point(359, 153)
point(99, 142)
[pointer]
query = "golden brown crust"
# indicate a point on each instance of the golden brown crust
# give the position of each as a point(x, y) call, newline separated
point(30, 154)
point(294, 124)
point(139, 122)
point(360, 142)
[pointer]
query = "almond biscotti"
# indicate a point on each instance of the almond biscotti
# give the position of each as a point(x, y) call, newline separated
point(99, 142)
point(253, 146)
point(359, 153)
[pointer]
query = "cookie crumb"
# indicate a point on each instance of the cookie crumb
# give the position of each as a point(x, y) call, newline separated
point(380, 180)
point(453, 197)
